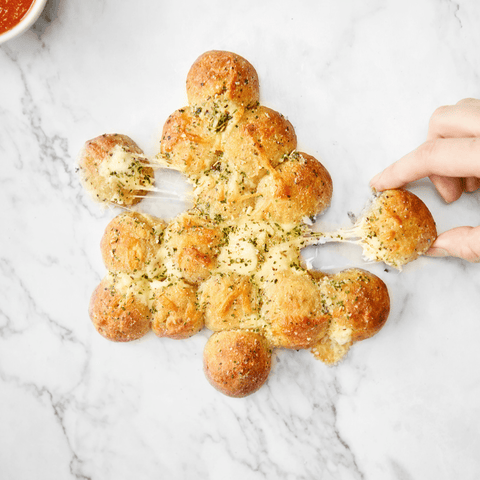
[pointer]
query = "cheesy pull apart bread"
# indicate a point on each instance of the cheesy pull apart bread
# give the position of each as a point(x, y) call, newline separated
point(232, 262)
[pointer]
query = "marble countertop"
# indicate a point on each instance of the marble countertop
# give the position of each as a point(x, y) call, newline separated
point(359, 81)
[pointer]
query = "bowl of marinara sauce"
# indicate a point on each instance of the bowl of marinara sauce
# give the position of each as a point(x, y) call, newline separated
point(17, 16)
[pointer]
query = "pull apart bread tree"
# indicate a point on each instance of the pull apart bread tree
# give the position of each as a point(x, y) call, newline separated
point(232, 262)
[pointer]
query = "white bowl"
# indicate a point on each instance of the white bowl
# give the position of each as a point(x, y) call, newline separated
point(27, 21)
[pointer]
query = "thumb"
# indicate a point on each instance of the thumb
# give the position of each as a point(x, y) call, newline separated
point(462, 242)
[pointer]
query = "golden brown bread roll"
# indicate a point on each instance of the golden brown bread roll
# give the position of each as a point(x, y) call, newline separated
point(293, 310)
point(229, 301)
point(397, 228)
point(257, 143)
point(131, 242)
point(358, 303)
point(187, 144)
point(113, 169)
point(300, 187)
point(119, 310)
point(193, 243)
point(221, 75)
point(174, 310)
point(237, 362)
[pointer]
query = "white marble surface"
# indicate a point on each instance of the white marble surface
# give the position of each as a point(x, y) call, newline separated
point(359, 81)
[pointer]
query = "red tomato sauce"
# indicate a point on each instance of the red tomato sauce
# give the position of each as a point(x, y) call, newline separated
point(12, 12)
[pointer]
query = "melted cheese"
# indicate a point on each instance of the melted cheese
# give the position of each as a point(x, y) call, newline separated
point(242, 252)
point(123, 168)
point(260, 248)
point(340, 334)
point(128, 285)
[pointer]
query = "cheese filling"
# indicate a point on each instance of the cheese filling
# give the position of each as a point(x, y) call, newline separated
point(125, 169)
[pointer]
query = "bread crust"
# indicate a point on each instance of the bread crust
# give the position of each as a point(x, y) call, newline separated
point(237, 362)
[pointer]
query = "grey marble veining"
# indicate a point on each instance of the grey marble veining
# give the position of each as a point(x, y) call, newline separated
point(359, 81)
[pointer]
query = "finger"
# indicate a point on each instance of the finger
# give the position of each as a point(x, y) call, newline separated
point(472, 184)
point(449, 188)
point(461, 120)
point(469, 101)
point(461, 242)
point(447, 157)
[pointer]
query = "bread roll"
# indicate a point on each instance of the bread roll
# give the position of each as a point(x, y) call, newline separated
point(187, 144)
point(220, 75)
point(257, 143)
point(292, 307)
point(397, 228)
point(131, 242)
point(358, 303)
point(174, 310)
point(229, 301)
point(300, 187)
point(114, 170)
point(119, 310)
point(193, 243)
point(237, 362)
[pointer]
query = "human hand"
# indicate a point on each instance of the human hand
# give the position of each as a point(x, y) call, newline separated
point(451, 159)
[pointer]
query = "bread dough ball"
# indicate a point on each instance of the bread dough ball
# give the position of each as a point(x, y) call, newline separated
point(174, 310)
point(192, 244)
point(119, 309)
point(397, 228)
point(114, 170)
point(300, 187)
point(131, 243)
point(229, 301)
point(293, 310)
point(187, 144)
point(359, 304)
point(257, 143)
point(237, 362)
point(221, 75)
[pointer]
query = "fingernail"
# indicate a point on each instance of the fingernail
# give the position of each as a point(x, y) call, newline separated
point(437, 252)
